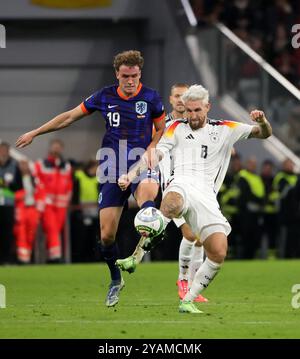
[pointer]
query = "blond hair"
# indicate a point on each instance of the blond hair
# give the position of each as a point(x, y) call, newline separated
point(195, 93)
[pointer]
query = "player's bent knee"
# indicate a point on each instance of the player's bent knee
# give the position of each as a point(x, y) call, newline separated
point(217, 253)
point(215, 243)
point(172, 205)
point(146, 192)
point(107, 238)
point(217, 256)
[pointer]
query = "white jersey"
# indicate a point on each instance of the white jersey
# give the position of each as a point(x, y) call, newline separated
point(165, 165)
point(202, 156)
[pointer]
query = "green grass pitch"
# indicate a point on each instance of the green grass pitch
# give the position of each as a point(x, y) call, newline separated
point(250, 299)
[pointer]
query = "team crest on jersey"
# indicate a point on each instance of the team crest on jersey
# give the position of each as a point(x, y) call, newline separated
point(214, 136)
point(141, 107)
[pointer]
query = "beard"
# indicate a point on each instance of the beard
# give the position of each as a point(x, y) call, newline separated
point(196, 124)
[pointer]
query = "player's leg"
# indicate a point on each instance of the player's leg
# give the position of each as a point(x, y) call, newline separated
point(145, 193)
point(190, 259)
point(172, 204)
point(171, 207)
point(109, 221)
point(184, 256)
point(111, 203)
point(196, 262)
point(215, 244)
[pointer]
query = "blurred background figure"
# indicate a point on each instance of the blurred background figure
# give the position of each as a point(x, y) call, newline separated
point(26, 215)
point(84, 222)
point(283, 182)
point(291, 129)
point(54, 185)
point(286, 177)
point(228, 199)
point(10, 182)
point(290, 213)
point(270, 209)
point(250, 204)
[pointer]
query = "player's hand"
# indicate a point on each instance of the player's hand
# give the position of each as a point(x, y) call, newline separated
point(258, 116)
point(151, 156)
point(25, 139)
point(123, 182)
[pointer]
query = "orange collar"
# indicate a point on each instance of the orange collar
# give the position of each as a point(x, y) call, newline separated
point(124, 97)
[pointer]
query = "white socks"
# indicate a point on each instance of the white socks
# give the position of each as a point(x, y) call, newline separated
point(196, 262)
point(185, 255)
point(203, 277)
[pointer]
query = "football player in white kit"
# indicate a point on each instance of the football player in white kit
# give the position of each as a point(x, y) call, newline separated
point(201, 152)
point(191, 252)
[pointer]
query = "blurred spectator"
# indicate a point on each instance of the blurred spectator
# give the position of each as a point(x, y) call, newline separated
point(26, 216)
point(85, 218)
point(286, 65)
point(284, 180)
point(239, 14)
point(250, 203)
point(270, 22)
point(10, 182)
point(290, 211)
point(229, 200)
point(290, 130)
point(54, 184)
point(286, 177)
point(281, 41)
point(270, 210)
point(279, 12)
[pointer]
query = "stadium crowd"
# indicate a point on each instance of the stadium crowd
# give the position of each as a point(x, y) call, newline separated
point(264, 25)
point(50, 195)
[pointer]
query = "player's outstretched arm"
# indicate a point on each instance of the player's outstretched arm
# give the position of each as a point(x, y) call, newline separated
point(263, 128)
point(141, 166)
point(159, 130)
point(61, 121)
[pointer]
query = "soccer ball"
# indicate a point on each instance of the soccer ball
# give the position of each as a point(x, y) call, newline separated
point(149, 222)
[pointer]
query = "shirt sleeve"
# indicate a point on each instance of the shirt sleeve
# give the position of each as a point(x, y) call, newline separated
point(240, 131)
point(169, 140)
point(157, 108)
point(92, 103)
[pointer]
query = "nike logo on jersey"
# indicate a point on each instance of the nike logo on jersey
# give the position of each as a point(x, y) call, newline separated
point(190, 137)
point(112, 106)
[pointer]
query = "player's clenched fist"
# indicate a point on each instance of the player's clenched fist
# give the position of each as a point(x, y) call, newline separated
point(258, 116)
point(123, 182)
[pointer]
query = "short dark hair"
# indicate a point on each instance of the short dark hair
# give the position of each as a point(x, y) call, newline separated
point(180, 85)
point(128, 58)
point(268, 162)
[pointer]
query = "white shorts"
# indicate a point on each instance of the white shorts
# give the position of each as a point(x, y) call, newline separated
point(201, 210)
